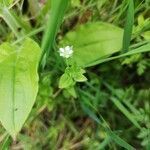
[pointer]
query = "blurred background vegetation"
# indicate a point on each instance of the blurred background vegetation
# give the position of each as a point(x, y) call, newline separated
point(115, 97)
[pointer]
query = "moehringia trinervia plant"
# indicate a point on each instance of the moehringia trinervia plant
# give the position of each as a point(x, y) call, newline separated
point(73, 72)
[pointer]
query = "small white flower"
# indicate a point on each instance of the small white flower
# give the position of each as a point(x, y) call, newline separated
point(66, 52)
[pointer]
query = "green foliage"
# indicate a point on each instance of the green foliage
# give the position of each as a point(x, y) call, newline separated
point(72, 74)
point(94, 41)
point(128, 26)
point(142, 27)
point(6, 2)
point(110, 110)
point(146, 35)
point(76, 3)
point(65, 81)
point(125, 112)
point(18, 83)
point(142, 49)
point(120, 141)
point(58, 8)
point(114, 137)
point(142, 65)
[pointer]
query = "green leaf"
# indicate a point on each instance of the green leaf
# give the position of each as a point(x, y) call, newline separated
point(128, 26)
point(75, 3)
point(125, 112)
point(18, 83)
point(58, 8)
point(80, 77)
point(119, 141)
point(6, 2)
point(71, 91)
point(142, 49)
point(12, 21)
point(65, 81)
point(77, 74)
point(93, 41)
point(101, 121)
point(146, 35)
point(6, 143)
point(34, 7)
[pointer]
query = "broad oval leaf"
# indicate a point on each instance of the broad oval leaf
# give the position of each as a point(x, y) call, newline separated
point(93, 41)
point(18, 83)
point(65, 81)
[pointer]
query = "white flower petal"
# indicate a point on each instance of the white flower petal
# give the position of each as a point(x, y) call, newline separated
point(61, 54)
point(70, 52)
point(61, 50)
point(67, 56)
point(66, 52)
point(67, 48)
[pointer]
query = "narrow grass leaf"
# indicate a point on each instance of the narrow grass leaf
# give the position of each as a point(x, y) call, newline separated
point(6, 143)
point(111, 134)
point(142, 49)
point(58, 8)
point(10, 20)
point(90, 113)
point(104, 143)
point(120, 141)
point(128, 26)
point(125, 112)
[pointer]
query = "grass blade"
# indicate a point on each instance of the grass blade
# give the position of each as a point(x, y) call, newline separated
point(128, 26)
point(142, 49)
point(119, 141)
point(125, 112)
point(6, 143)
point(101, 121)
point(58, 8)
point(11, 21)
